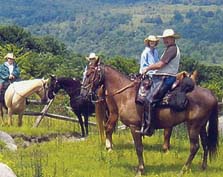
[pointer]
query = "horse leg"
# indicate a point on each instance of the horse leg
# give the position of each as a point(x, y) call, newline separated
point(10, 122)
point(1, 115)
point(20, 119)
point(204, 142)
point(81, 124)
point(167, 134)
point(139, 149)
point(86, 124)
point(109, 128)
point(194, 145)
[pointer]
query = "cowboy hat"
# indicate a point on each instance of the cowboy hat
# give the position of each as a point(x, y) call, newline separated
point(151, 38)
point(10, 56)
point(92, 56)
point(169, 33)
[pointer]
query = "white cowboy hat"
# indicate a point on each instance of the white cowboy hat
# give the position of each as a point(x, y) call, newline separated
point(169, 33)
point(151, 38)
point(92, 56)
point(10, 55)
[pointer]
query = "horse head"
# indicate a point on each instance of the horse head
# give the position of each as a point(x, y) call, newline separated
point(42, 92)
point(93, 80)
point(52, 86)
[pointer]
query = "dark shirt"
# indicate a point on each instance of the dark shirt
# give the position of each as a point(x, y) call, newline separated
point(169, 54)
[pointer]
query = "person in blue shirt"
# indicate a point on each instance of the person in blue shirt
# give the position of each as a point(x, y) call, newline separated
point(9, 72)
point(150, 54)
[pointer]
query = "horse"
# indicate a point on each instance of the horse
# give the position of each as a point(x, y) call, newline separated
point(119, 95)
point(16, 95)
point(80, 106)
point(168, 131)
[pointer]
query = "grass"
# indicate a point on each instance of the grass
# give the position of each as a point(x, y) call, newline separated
point(88, 157)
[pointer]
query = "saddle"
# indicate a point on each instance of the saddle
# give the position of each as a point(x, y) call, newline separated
point(143, 89)
point(175, 98)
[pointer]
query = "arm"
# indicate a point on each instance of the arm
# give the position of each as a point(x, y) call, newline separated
point(146, 60)
point(16, 71)
point(4, 72)
point(168, 55)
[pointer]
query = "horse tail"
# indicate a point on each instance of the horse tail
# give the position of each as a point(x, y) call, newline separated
point(213, 132)
point(100, 113)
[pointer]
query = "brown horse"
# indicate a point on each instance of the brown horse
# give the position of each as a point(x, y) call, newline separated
point(168, 131)
point(119, 95)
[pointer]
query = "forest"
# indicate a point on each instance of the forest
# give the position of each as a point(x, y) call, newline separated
point(41, 56)
point(42, 34)
point(119, 27)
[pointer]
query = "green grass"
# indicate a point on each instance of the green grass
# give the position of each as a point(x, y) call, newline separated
point(88, 158)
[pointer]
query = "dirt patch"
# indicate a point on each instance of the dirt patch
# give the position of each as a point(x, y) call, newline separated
point(24, 141)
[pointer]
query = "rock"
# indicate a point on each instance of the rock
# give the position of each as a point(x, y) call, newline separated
point(6, 171)
point(8, 140)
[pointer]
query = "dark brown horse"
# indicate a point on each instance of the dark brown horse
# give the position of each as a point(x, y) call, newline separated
point(119, 95)
point(80, 106)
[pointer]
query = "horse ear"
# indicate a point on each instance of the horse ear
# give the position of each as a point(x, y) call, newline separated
point(52, 76)
point(46, 80)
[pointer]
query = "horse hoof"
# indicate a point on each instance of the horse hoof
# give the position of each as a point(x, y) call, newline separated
point(204, 166)
point(3, 124)
point(138, 174)
point(183, 171)
point(109, 149)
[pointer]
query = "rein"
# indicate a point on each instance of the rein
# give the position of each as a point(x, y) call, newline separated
point(121, 90)
point(111, 94)
point(115, 93)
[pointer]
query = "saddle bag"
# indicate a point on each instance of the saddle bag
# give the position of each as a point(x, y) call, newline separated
point(178, 101)
point(143, 90)
point(177, 98)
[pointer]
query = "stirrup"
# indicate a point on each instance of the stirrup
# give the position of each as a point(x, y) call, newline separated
point(148, 131)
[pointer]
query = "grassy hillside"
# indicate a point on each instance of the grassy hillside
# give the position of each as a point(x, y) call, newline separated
point(119, 27)
point(88, 157)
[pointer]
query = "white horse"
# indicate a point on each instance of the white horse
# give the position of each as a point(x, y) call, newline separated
point(16, 94)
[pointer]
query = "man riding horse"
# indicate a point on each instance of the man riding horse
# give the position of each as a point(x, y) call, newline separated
point(163, 78)
point(9, 72)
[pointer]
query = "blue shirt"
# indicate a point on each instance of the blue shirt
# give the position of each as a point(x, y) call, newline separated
point(4, 72)
point(148, 57)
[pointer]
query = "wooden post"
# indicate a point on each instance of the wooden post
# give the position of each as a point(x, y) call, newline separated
point(43, 112)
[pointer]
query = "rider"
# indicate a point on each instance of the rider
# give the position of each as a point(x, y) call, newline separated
point(149, 54)
point(163, 78)
point(148, 57)
point(91, 58)
point(9, 72)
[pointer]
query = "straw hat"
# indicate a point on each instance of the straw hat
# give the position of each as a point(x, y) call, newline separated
point(151, 38)
point(169, 33)
point(92, 56)
point(10, 56)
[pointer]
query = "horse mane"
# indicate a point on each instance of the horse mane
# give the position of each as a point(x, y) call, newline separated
point(68, 81)
point(121, 73)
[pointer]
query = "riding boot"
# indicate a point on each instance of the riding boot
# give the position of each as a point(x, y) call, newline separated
point(147, 125)
point(1, 95)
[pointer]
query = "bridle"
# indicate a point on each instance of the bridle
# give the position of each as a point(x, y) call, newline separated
point(59, 84)
point(99, 70)
point(98, 76)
